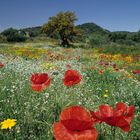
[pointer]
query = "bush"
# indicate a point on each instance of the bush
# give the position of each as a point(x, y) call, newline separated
point(97, 41)
point(14, 35)
point(94, 42)
point(3, 39)
point(126, 42)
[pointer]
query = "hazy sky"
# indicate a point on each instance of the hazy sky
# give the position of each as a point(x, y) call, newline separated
point(110, 14)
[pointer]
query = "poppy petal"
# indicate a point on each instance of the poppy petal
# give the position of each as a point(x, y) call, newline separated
point(130, 113)
point(96, 116)
point(47, 83)
point(130, 110)
point(123, 124)
point(121, 108)
point(61, 133)
point(1, 65)
point(76, 118)
point(77, 125)
point(112, 120)
point(39, 78)
point(91, 134)
point(75, 113)
point(37, 88)
point(106, 111)
point(39, 81)
point(71, 77)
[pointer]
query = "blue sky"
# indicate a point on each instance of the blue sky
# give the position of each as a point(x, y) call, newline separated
point(122, 15)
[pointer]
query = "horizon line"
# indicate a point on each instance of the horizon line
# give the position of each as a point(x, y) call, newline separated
point(34, 26)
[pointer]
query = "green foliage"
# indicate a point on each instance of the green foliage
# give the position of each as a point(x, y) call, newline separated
point(33, 31)
point(136, 37)
point(97, 40)
point(95, 34)
point(121, 49)
point(122, 37)
point(114, 36)
point(126, 42)
point(2, 39)
point(14, 35)
point(62, 25)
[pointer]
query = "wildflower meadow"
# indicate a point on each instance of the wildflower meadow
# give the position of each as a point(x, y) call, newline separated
point(55, 93)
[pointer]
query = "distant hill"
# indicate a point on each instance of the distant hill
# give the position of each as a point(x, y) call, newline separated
point(92, 34)
point(90, 28)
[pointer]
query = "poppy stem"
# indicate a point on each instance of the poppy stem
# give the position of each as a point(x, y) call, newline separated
point(113, 132)
point(100, 127)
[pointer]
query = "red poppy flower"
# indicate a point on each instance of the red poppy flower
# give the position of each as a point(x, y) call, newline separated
point(136, 71)
point(119, 117)
point(102, 56)
point(124, 55)
point(68, 66)
point(1, 65)
point(92, 67)
point(71, 77)
point(123, 110)
point(75, 124)
point(101, 71)
point(39, 81)
point(114, 66)
point(103, 63)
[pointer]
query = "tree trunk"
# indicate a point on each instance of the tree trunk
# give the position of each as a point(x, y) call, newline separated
point(65, 43)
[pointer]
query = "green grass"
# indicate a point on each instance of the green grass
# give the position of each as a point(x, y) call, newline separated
point(121, 49)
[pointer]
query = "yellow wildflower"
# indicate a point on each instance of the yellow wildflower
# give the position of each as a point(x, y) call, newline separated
point(129, 59)
point(105, 95)
point(9, 123)
point(106, 90)
point(48, 66)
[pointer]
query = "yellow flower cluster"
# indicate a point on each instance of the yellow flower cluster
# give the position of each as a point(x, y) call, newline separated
point(48, 66)
point(27, 51)
point(128, 59)
point(106, 94)
point(117, 57)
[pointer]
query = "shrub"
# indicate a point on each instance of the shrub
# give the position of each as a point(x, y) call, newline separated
point(2, 39)
point(14, 35)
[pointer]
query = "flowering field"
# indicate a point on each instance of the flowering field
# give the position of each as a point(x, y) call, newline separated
point(51, 93)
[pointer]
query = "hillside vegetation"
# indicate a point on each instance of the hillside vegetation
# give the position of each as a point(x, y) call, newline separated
point(92, 35)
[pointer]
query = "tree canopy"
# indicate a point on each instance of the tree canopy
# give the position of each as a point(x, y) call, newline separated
point(62, 25)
